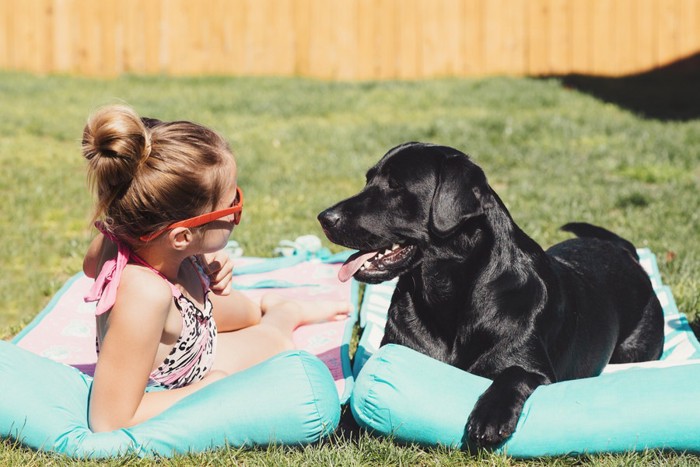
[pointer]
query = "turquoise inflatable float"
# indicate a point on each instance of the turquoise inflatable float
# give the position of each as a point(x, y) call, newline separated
point(44, 405)
point(292, 399)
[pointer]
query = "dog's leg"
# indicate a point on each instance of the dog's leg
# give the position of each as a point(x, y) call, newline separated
point(646, 339)
point(496, 413)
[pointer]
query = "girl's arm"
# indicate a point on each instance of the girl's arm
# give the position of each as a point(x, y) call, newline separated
point(127, 353)
point(101, 249)
point(234, 311)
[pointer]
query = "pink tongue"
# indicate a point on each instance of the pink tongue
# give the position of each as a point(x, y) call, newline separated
point(353, 264)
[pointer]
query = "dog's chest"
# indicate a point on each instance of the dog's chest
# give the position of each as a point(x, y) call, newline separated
point(449, 330)
point(426, 328)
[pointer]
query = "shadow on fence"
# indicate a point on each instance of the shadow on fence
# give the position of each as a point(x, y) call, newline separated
point(670, 93)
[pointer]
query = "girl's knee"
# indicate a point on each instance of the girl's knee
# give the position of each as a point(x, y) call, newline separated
point(283, 340)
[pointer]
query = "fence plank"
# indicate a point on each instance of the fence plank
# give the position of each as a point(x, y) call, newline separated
point(344, 40)
point(431, 53)
point(560, 27)
point(473, 37)
point(494, 18)
point(538, 15)
point(5, 33)
point(408, 32)
point(644, 53)
point(347, 39)
point(689, 27)
point(19, 29)
point(668, 27)
point(581, 32)
point(694, 26)
point(301, 26)
point(602, 42)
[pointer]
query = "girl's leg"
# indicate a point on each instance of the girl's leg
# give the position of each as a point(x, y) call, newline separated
point(238, 350)
point(246, 347)
point(287, 315)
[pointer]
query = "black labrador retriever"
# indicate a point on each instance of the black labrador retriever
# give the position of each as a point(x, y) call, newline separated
point(476, 292)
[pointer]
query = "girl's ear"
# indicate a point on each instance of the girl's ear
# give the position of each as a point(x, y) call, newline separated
point(180, 238)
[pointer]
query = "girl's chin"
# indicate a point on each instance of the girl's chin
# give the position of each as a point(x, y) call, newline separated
point(216, 244)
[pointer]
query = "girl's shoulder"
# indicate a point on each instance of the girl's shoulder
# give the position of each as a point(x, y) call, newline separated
point(141, 288)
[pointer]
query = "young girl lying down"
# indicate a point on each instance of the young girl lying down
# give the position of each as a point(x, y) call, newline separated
point(167, 201)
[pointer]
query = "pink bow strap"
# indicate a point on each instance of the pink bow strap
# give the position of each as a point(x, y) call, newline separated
point(104, 290)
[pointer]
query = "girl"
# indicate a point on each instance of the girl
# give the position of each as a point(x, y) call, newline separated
point(167, 195)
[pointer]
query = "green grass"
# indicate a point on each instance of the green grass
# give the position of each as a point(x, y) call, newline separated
point(553, 154)
point(365, 451)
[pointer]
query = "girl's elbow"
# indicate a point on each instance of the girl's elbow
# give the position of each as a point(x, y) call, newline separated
point(103, 424)
point(108, 420)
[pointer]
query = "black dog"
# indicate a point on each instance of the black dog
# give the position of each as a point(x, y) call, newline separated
point(477, 293)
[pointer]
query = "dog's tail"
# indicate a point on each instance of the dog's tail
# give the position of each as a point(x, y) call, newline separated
point(585, 230)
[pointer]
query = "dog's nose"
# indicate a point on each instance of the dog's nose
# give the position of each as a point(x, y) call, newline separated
point(329, 218)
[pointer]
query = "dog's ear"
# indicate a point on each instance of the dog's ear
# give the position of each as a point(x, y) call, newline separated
point(459, 195)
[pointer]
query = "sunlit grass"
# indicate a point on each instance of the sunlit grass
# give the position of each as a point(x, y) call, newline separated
point(553, 154)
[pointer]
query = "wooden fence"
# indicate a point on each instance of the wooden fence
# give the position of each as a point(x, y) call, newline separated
point(346, 39)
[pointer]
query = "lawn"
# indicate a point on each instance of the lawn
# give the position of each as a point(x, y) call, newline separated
point(554, 154)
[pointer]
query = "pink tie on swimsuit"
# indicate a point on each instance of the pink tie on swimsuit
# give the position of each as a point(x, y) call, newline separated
point(104, 290)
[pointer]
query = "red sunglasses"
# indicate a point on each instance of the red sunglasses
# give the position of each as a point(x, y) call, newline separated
point(236, 209)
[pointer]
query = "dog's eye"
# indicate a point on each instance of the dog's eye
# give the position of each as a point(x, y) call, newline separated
point(393, 184)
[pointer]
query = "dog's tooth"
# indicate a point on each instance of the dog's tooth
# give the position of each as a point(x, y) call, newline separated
point(380, 256)
point(395, 246)
point(386, 252)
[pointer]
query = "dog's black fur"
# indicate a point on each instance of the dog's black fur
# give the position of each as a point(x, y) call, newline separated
point(476, 292)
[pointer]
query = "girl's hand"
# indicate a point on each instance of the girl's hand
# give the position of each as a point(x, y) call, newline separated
point(219, 267)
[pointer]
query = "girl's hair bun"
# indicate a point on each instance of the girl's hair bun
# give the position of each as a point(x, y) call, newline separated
point(115, 143)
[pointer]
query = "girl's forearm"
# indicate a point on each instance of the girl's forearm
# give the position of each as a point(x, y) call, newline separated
point(235, 311)
point(152, 404)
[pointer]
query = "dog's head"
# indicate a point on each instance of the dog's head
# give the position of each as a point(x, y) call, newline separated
point(416, 196)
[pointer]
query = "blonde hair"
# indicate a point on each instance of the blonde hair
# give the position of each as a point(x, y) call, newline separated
point(147, 174)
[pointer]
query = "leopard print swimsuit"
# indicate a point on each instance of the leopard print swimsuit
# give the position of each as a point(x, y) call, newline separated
point(192, 355)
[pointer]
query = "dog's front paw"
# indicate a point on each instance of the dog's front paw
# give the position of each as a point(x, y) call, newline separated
point(496, 413)
point(491, 422)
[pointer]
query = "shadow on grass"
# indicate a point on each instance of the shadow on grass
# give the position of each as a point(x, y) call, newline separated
point(695, 326)
point(669, 93)
point(348, 429)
